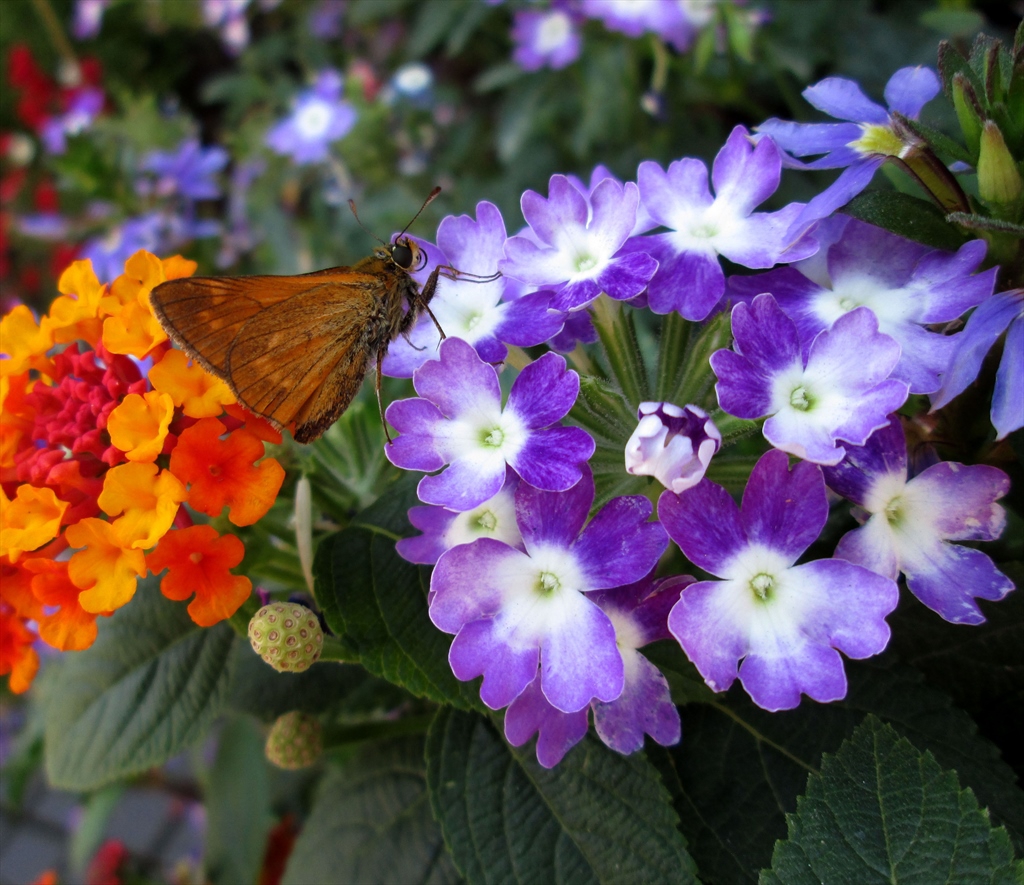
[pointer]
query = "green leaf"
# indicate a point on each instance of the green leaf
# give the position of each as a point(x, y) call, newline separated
point(739, 767)
point(371, 822)
point(376, 602)
point(596, 817)
point(882, 811)
point(906, 216)
point(148, 688)
point(238, 815)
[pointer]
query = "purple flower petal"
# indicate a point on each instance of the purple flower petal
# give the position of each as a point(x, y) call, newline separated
point(705, 522)
point(746, 175)
point(555, 458)
point(581, 663)
point(685, 183)
point(557, 732)
point(690, 283)
point(418, 447)
point(481, 648)
point(544, 392)
point(844, 100)
point(624, 277)
point(1008, 396)
point(783, 509)
point(459, 382)
point(805, 139)
point(951, 577)
point(851, 182)
point(467, 481)
point(910, 89)
point(645, 706)
point(564, 209)
point(553, 519)
point(619, 545)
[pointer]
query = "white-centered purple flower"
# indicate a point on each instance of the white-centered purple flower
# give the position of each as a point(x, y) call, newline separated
point(842, 391)
point(545, 38)
point(515, 610)
point(576, 245)
point(190, 171)
point(779, 627)
point(84, 107)
point(470, 306)
point(443, 528)
point(703, 227)
point(672, 444)
point(909, 287)
point(319, 117)
point(639, 614)
point(674, 21)
point(859, 146)
point(909, 524)
point(1002, 312)
point(459, 422)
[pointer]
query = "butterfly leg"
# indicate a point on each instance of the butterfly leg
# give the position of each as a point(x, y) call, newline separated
point(380, 402)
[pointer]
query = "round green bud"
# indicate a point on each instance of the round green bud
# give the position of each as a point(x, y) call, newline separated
point(295, 741)
point(287, 636)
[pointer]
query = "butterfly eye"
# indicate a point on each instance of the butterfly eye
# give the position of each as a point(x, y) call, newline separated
point(402, 255)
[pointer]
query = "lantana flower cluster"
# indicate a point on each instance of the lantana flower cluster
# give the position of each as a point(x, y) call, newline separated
point(551, 599)
point(106, 434)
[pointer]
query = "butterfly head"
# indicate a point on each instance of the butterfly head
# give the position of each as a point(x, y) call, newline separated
point(406, 255)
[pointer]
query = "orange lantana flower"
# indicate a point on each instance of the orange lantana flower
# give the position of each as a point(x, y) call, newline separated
point(69, 627)
point(17, 657)
point(147, 496)
point(221, 472)
point(200, 563)
point(198, 393)
point(31, 520)
point(107, 568)
point(138, 427)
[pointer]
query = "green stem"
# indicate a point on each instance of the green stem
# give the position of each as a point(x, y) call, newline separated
point(672, 349)
point(618, 336)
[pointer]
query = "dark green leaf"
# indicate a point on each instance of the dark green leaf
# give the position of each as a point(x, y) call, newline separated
point(906, 216)
point(371, 822)
point(740, 767)
point(596, 817)
point(237, 805)
point(882, 812)
point(376, 602)
point(149, 687)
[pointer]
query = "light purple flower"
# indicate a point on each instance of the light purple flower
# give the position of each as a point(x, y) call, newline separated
point(787, 623)
point(672, 444)
point(470, 307)
point(319, 117)
point(325, 19)
point(908, 287)
point(909, 523)
point(88, 18)
point(189, 171)
point(229, 17)
point(577, 241)
point(674, 21)
point(639, 614)
point(443, 529)
point(547, 38)
point(703, 227)
point(85, 106)
point(861, 145)
point(459, 422)
point(994, 316)
point(513, 610)
point(842, 391)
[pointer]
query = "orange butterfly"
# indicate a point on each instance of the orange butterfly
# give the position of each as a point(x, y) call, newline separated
point(295, 349)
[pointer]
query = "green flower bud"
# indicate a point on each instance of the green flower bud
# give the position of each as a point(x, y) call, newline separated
point(287, 636)
point(295, 741)
point(968, 112)
point(999, 179)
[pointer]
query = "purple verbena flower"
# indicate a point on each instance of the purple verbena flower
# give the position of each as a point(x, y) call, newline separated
point(460, 422)
point(84, 107)
point(639, 614)
point(999, 313)
point(443, 529)
point(778, 626)
point(189, 171)
point(675, 22)
point(577, 244)
point(859, 146)
point(544, 38)
point(513, 610)
point(689, 278)
point(908, 287)
point(470, 306)
point(909, 523)
point(319, 116)
point(842, 391)
point(672, 444)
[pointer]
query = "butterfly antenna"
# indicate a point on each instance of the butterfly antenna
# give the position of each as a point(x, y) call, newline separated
point(352, 206)
point(430, 199)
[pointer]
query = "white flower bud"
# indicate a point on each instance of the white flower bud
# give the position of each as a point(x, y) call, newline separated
point(672, 444)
